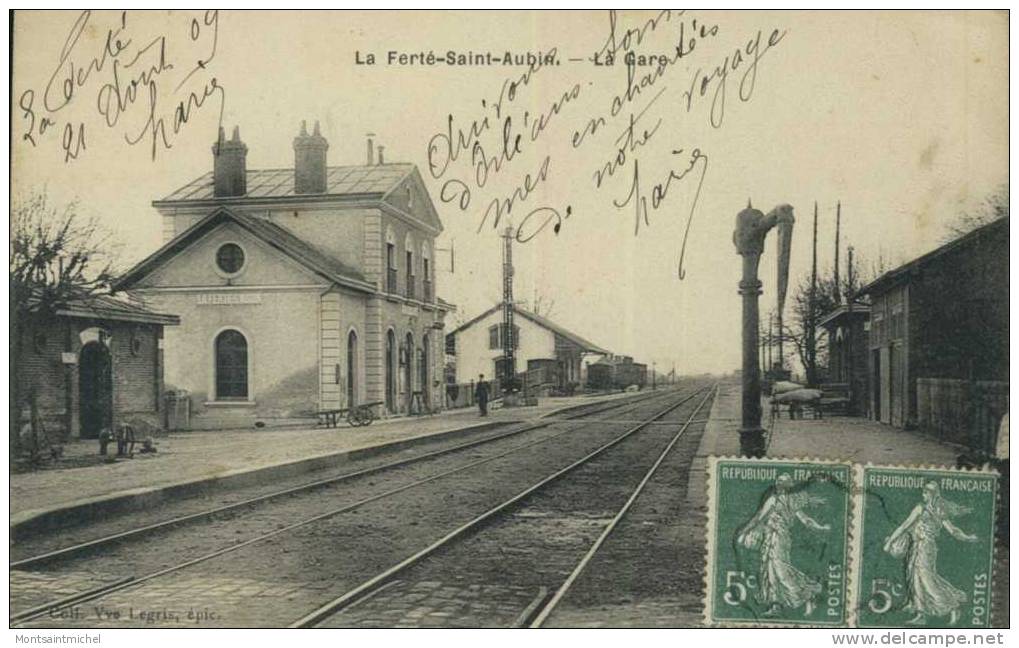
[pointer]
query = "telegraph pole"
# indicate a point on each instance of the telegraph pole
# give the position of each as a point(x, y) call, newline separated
point(849, 336)
point(508, 343)
point(751, 228)
point(811, 335)
point(771, 342)
point(764, 348)
point(838, 227)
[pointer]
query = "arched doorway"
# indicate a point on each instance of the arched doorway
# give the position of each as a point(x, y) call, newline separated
point(231, 366)
point(95, 390)
point(351, 369)
point(423, 372)
point(408, 373)
point(390, 372)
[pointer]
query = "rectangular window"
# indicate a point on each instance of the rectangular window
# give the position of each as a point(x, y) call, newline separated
point(410, 275)
point(497, 336)
point(390, 268)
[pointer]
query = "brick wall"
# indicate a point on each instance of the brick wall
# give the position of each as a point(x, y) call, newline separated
point(136, 372)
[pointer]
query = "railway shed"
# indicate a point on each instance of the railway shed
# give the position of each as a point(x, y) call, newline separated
point(938, 344)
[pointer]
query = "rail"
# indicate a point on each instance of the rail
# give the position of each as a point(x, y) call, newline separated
point(117, 538)
point(368, 587)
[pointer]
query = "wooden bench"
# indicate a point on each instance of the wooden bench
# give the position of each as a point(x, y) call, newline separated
point(835, 399)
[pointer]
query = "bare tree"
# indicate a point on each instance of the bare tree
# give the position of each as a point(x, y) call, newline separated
point(994, 207)
point(56, 256)
point(543, 306)
point(807, 312)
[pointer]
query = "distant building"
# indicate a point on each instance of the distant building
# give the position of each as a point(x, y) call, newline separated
point(938, 343)
point(96, 364)
point(848, 328)
point(616, 372)
point(540, 344)
point(299, 289)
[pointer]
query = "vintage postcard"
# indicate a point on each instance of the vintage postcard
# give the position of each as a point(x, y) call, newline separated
point(440, 319)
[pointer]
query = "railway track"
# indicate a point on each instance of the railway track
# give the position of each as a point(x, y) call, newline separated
point(476, 551)
point(105, 589)
point(75, 548)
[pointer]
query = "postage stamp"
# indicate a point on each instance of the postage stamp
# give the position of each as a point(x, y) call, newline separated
point(926, 547)
point(778, 542)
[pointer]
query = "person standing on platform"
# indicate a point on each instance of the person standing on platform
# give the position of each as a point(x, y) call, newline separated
point(481, 394)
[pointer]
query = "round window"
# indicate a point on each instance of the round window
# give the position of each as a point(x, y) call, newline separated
point(230, 258)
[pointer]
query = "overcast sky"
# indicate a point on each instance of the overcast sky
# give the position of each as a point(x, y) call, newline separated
point(901, 116)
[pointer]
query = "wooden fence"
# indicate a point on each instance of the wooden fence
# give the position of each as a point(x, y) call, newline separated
point(962, 411)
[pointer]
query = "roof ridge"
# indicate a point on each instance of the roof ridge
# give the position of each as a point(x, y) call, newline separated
point(540, 320)
point(277, 182)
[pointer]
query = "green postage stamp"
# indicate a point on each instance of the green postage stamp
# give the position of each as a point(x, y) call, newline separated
point(778, 542)
point(926, 548)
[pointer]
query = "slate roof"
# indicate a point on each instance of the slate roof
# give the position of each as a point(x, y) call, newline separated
point(275, 235)
point(540, 321)
point(110, 307)
point(364, 181)
point(997, 227)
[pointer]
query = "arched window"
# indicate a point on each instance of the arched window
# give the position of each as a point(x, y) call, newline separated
point(231, 366)
point(351, 369)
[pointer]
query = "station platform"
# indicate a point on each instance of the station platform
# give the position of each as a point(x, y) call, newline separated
point(853, 439)
point(202, 457)
point(847, 438)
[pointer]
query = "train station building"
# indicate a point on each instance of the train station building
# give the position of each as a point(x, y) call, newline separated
point(938, 340)
point(298, 289)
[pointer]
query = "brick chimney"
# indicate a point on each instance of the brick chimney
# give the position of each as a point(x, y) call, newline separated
point(229, 168)
point(310, 161)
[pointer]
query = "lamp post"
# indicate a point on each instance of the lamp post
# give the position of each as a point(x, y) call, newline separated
point(751, 228)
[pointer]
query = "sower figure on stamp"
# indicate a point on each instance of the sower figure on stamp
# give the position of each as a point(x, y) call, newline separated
point(917, 539)
point(481, 394)
point(771, 530)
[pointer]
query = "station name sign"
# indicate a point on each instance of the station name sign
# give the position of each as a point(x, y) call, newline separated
point(227, 299)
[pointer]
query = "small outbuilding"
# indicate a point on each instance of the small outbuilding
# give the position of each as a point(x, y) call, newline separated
point(96, 363)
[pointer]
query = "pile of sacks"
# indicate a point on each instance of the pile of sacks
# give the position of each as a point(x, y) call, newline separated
point(795, 396)
point(786, 392)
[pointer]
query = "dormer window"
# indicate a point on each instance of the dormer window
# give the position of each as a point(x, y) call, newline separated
point(230, 259)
